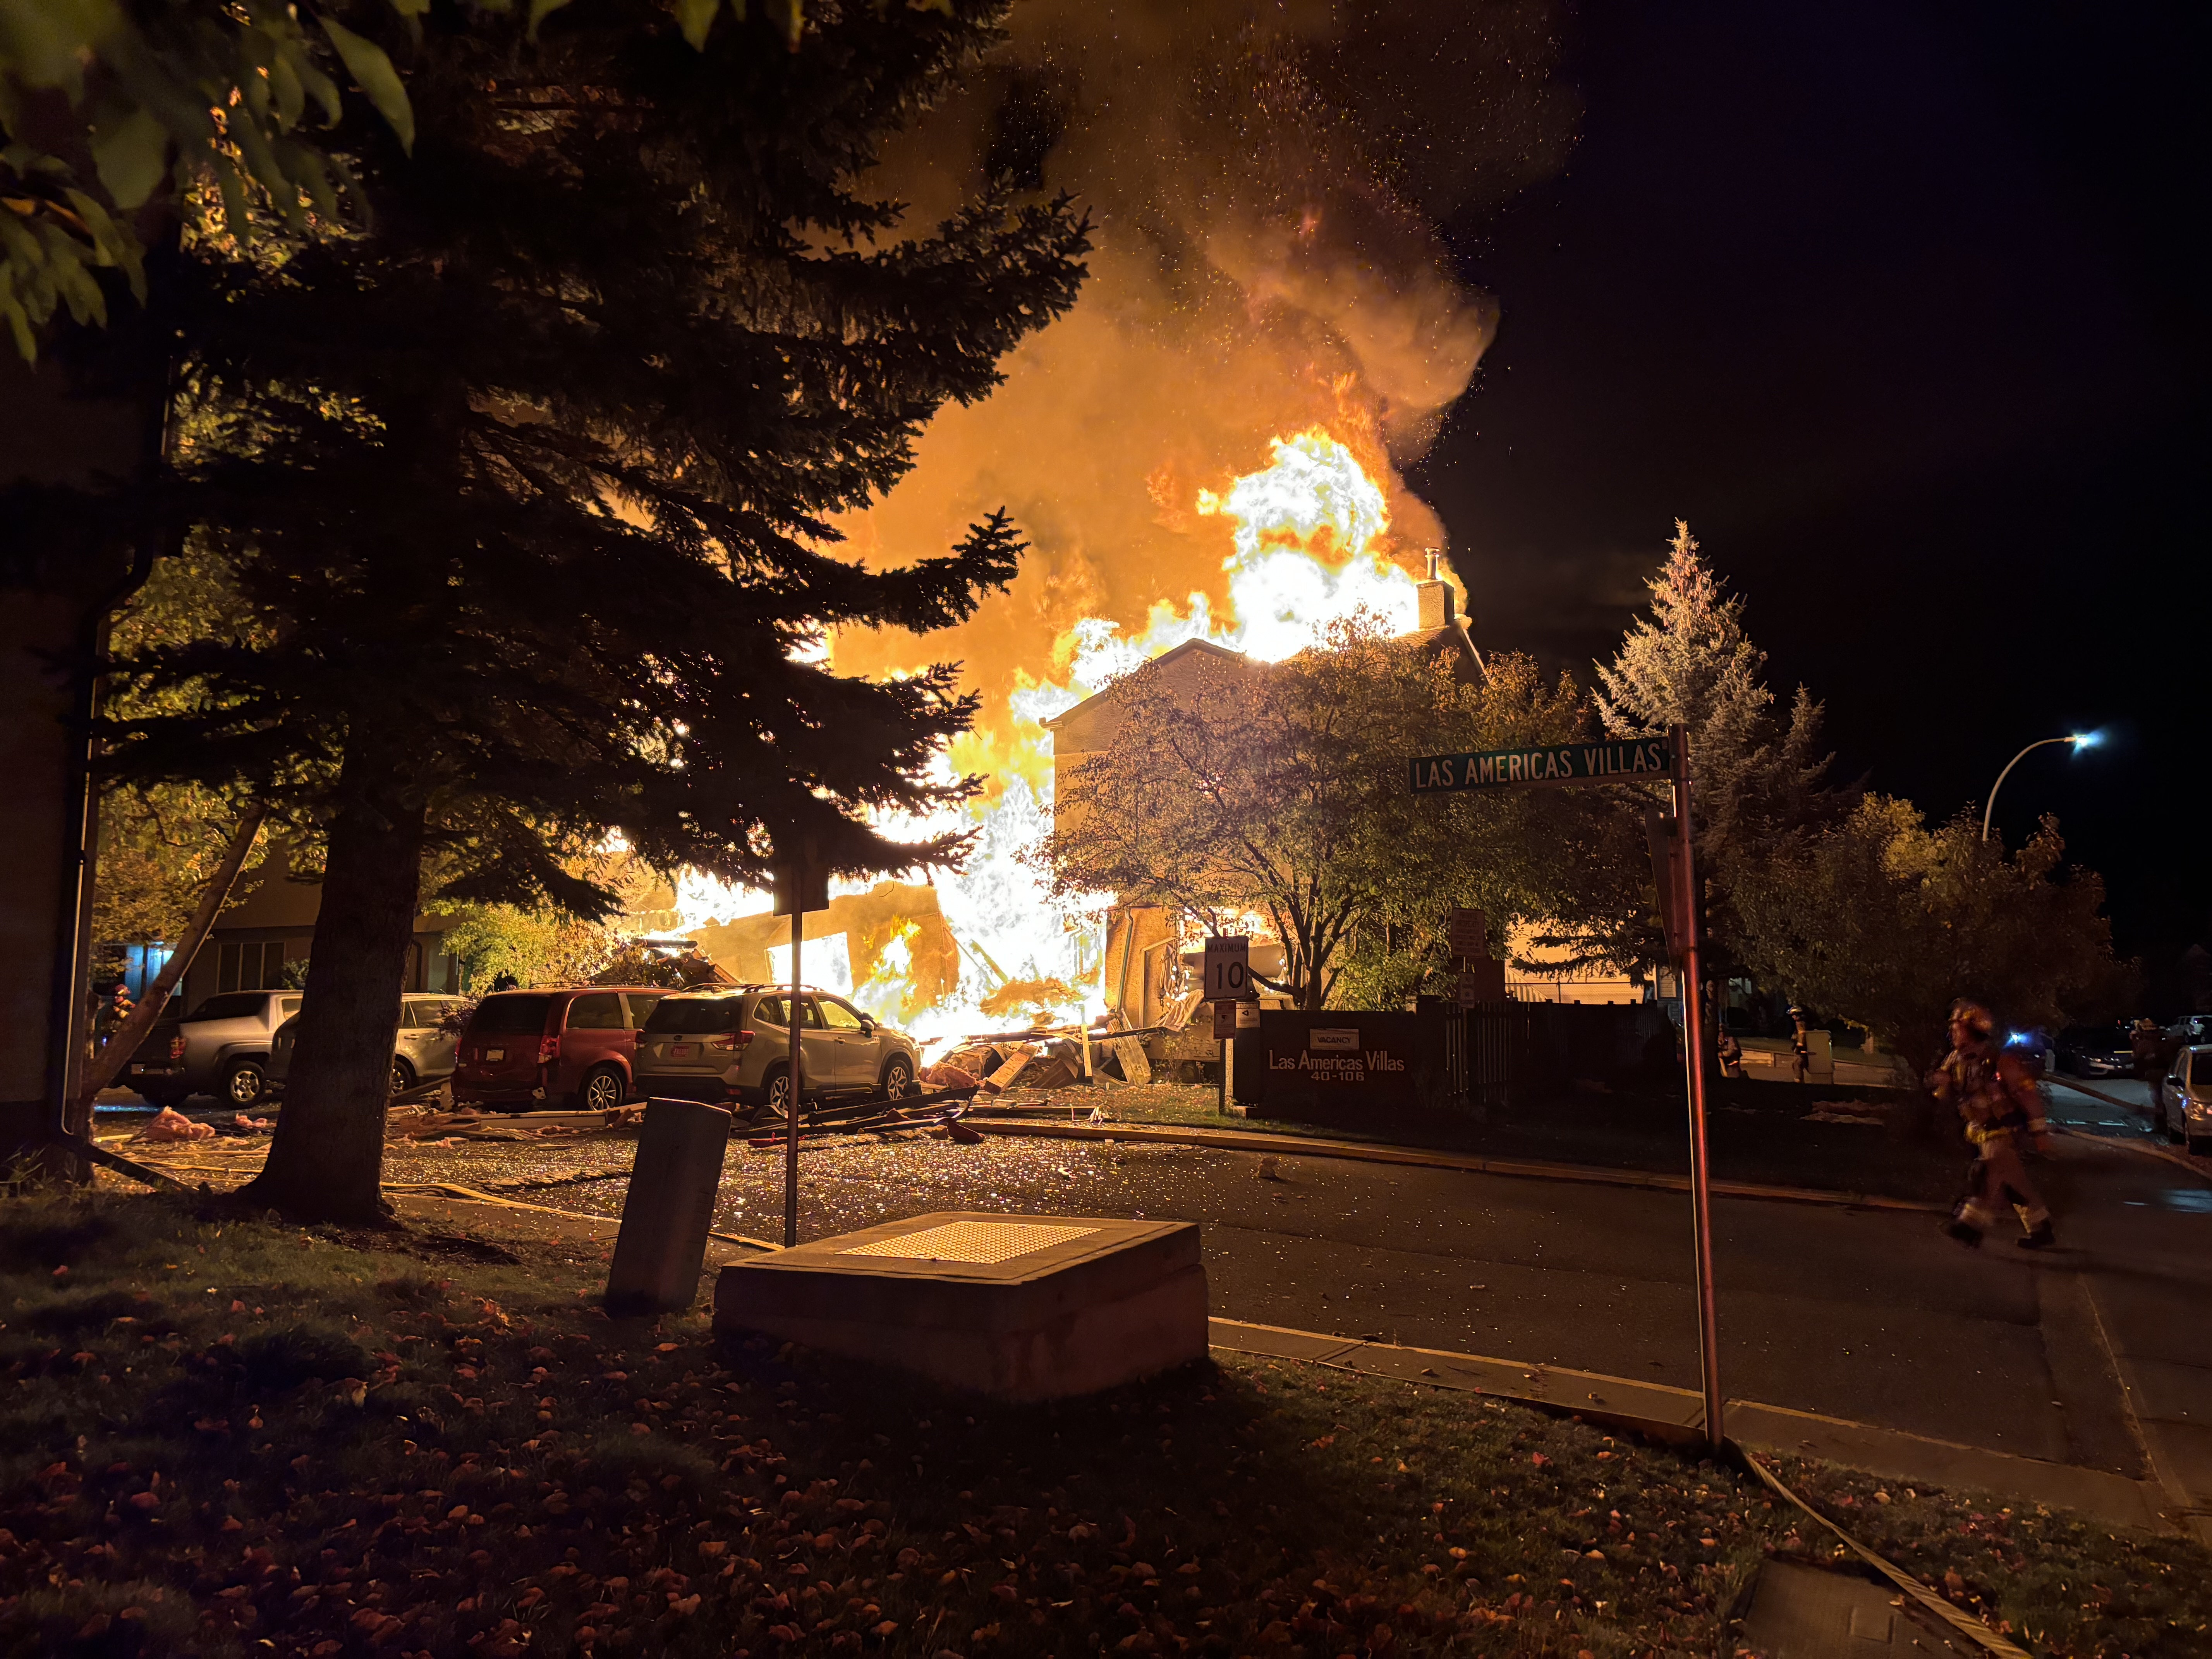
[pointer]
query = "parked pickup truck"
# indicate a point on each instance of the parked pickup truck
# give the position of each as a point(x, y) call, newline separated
point(219, 1048)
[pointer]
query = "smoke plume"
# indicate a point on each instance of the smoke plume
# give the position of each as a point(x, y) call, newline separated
point(1266, 183)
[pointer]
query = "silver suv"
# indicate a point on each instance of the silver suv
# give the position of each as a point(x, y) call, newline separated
point(226, 1041)
point(421, 1049)
point(734, 1044)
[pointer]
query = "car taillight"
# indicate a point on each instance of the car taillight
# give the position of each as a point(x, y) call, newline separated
point(735, 1040)
point(177, 1045)
point(549, 1050)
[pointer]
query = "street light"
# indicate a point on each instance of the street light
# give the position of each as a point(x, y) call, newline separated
point(2081, 740)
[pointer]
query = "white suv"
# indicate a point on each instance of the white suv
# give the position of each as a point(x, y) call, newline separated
point(2185, 1100)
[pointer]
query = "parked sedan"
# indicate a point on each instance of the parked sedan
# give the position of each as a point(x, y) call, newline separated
point(2184, 1099)
point(2096, 1051)
point(421, 1049)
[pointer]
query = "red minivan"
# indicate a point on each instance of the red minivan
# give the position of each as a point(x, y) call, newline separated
point(569, 1047)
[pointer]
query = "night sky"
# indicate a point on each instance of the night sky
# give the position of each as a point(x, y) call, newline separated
point(1900, 305)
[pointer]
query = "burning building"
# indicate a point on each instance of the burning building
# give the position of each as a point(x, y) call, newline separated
point(1206, 451)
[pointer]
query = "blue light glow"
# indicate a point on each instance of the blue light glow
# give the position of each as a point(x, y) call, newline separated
point(2087, 740)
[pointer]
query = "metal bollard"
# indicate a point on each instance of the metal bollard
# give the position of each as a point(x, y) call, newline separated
point(662, 1246)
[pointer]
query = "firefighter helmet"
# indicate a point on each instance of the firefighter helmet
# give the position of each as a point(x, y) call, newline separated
point(1975, 1017)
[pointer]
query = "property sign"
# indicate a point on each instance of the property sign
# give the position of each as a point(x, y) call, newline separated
point(1567, 763)
point(1228, 968)
point(1470, 934)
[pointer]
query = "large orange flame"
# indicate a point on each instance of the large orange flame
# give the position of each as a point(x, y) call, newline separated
point(1308, 545)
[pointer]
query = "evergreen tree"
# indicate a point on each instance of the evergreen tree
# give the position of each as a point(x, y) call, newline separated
point(525, 492)
point(1759, 779)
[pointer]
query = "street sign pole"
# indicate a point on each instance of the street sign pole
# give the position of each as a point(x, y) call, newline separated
point(1689, 931)
point(1228, 979)
point(801, 885)
point(1641, 760)
point(792, 1025)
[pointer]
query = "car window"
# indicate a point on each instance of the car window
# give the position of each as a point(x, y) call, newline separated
point(287, 1007)
point(601, 1010)
point(836, 1015)
point(642, 1005)
point(696, 1015)
point(2200, 1066)
point(507, 1015)
point(232, 1004)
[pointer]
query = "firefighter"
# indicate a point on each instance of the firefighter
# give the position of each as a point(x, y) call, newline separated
point(2147, 1047)
point(1731, 1054)
point(2000, 1103)
point(1801, 1047)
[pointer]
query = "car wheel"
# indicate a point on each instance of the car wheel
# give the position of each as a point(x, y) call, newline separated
point(603, 1090)
point(246, 1083)
point(403, 1076)
point(775, 1097)
point(2196, 1145)
point(898, 1077)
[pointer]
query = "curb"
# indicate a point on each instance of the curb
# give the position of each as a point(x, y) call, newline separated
point(1356, 1152)
point(1676, 1417)
point(2179, 1160)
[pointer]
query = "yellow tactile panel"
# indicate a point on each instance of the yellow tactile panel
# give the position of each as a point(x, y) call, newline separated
point(972, 1241)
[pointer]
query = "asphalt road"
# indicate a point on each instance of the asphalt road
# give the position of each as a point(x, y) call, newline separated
point(2098, 1352)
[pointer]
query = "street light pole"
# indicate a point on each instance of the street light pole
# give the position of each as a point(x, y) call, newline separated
point(2079, 741)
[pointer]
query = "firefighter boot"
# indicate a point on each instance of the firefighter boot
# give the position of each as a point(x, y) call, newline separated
point(2040, 1237)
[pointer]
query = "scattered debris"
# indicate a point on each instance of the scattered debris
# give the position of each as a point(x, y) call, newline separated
point(170, 1125)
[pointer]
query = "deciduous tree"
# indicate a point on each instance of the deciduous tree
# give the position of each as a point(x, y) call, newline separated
point(1278, 792)
point(1885, 921)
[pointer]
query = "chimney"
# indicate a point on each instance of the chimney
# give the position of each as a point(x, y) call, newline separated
point(1438, 606)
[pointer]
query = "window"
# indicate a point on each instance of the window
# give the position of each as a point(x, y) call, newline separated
point(770, 1011)
point(640, 1007)
point(238, 1005)
point(836, 1015)
point(601, 1010)
point(697, 1016)
point(249, 964)
point(510, 1016)
point(287, 1007)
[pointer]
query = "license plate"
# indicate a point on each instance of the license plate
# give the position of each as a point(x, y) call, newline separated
point(495, 1053)
point(679, 1051)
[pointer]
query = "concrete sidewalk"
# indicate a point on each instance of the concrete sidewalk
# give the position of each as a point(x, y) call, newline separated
point(1677, 1415)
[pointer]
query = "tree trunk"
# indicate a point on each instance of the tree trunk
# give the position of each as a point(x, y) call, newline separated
point(327, 1161)
point(102, 1069)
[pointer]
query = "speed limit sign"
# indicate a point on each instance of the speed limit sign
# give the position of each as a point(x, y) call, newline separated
point(1228, 968)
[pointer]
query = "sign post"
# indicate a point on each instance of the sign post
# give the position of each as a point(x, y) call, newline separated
point(1227, 979)
point(1644, 760)
point(802, 883)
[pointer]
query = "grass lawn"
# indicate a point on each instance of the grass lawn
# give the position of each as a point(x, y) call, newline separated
point(228, 1437)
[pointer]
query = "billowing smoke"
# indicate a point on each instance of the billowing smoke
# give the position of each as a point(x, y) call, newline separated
point(1266, 182)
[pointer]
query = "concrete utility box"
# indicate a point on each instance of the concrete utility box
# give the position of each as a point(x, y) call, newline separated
point(1020, 1307)
point(669, 1206)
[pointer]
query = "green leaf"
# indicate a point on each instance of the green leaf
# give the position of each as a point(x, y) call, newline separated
point(695, 18)
point(319, 86)
point(291, 96)
point(539, 11)
point(410, 10)
point(117, 244)
point(131, 156)
point(27, 343)
point(372, 73)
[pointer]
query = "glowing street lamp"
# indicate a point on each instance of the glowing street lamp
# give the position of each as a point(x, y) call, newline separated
point(2081, 740)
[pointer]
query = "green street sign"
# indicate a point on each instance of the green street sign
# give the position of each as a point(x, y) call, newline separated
point(1649, 758)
